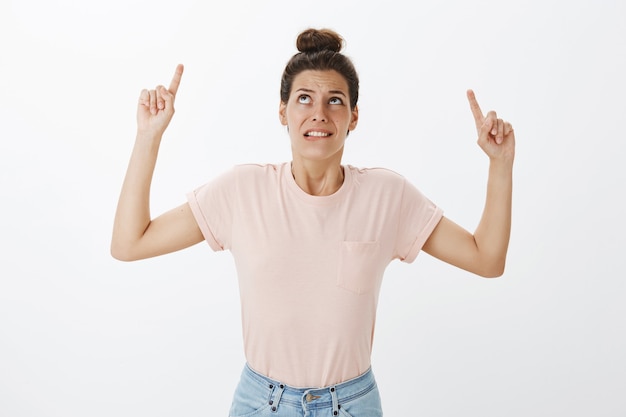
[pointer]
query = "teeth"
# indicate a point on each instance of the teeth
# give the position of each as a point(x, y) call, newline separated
point(318, 134)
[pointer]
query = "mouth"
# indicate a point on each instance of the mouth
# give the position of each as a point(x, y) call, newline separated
point(317, 134)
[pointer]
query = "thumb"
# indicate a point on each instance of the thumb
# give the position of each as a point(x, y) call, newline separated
point(484, 131)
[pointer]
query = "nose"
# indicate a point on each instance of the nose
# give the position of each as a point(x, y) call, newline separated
point(319, 113)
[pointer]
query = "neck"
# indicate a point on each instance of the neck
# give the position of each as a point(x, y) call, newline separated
point(318, 180)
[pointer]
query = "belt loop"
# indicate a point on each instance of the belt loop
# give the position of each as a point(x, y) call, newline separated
point(333, 396)
point(276, 401)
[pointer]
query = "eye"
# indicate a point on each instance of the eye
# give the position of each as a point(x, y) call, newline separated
point(304, 99)
point(335, 100)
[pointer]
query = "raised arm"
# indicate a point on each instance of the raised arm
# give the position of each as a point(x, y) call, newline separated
point(135, 234)
point(484, 252)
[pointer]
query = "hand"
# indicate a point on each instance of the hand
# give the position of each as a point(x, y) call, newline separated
point(496, 137)
point(156, 107)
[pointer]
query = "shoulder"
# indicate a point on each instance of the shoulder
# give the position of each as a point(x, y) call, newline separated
point(376, 175)
point(256, 170)
point(244, 174)
point(375, 172)
point(255, 176)
point(386, 182)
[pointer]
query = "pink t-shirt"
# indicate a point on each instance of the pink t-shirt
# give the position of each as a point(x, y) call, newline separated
point(310, 267)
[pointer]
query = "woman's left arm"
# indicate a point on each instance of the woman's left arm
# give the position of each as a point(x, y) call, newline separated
point(484, 252)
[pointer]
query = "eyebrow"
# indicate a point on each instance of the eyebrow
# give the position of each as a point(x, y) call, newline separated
point(306, 90)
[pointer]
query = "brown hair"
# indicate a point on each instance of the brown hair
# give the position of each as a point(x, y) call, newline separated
point(320, 50)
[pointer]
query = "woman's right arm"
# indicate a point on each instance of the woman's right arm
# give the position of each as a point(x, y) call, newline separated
point(135, 234)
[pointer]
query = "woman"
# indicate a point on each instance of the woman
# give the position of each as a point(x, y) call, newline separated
point(311, 238)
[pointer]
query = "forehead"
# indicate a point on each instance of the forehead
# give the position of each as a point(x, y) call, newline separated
point(320, 81)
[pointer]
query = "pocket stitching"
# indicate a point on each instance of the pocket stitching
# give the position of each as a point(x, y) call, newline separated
point(364, 250)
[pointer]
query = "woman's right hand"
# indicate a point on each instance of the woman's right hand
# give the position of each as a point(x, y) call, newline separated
point(156, 107)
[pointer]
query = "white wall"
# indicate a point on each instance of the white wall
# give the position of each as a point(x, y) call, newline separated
point(84, 335)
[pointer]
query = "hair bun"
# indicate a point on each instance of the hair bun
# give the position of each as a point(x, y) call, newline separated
point(315, 40)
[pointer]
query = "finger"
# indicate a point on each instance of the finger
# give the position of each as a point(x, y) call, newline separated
point(492, 119)
point(484, 131)
point(176, 79)
point(500, 131)
point(144, 98)
point(153, 106)
point(476, 111)
point(166, 96)
point(159, 98)
point(508, 128)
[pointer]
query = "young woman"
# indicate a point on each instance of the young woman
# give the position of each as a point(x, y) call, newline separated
point(311, 238)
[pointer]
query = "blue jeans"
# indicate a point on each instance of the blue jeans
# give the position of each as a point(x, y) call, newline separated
point(259, 396)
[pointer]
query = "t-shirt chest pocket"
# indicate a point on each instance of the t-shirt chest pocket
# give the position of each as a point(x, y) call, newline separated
point(358, 266)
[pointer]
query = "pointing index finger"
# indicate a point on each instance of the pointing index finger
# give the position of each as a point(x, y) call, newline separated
point(476, 111)
point(176, 79)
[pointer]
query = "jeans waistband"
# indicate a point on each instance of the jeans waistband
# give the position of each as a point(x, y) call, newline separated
point(314, 398)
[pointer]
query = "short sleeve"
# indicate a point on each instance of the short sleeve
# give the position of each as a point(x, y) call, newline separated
point(212, 205)
point(418, 217)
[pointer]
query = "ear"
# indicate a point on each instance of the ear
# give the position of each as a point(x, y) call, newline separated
point(282, 113)
point(355, 118)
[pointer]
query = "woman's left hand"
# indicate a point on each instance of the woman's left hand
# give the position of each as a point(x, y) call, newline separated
point(496, 137)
